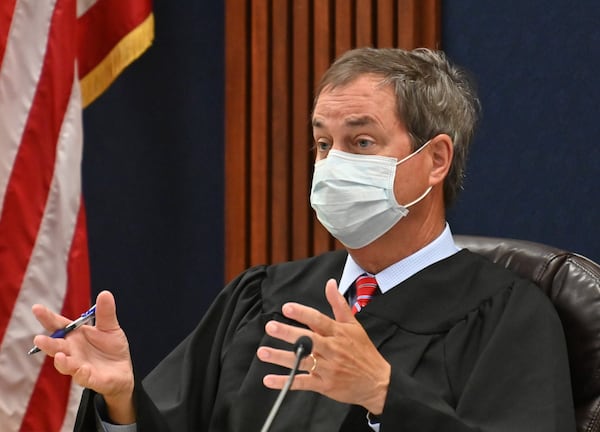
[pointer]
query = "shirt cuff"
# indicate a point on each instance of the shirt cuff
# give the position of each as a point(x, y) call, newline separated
point(118, 428)
point(101, 417)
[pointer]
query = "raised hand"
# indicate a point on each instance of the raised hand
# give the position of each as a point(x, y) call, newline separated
point(97, 357)
point(348, 366)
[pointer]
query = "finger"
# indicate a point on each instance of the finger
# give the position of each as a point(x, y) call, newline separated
point(83, 376)
point(284, 358)
point(49, 320)
point(301, 382)
point(274, 382)
point(312, 318)
point(106, 312)
point(63, 364)
point(67, 365)
point(276, 356)
point(50, 345)
point(286, 332)
point(339, 305)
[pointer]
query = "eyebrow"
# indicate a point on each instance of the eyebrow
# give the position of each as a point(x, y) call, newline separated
point(359, 121)
point(351, 121)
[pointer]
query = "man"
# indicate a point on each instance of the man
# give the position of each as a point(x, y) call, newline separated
point(448, 341)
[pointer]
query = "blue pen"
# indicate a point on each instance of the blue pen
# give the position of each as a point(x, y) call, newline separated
point(85, 317)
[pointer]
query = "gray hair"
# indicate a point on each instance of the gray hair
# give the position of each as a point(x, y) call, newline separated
point(432, 97)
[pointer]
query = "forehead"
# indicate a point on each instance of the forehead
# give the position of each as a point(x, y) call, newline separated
point(364, 95)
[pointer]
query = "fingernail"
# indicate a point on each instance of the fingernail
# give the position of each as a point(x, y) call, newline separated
point(268, 381)
point(263, 354)
point(287, 309)
point(272, 327)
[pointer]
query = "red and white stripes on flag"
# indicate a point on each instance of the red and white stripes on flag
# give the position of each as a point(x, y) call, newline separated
point(56, 56)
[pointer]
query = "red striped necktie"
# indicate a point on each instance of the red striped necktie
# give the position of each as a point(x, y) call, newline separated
point(366, 289)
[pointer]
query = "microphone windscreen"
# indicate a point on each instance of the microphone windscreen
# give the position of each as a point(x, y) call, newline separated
point(306, 343)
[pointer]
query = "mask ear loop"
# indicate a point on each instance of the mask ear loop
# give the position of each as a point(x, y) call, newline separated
point(413, 153)
point(412, 203)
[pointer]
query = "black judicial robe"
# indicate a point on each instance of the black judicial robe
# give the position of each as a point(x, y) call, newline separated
point(472, 348)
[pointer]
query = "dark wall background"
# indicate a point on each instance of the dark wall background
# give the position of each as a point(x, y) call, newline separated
point(535, 163)
point(153, 156)
point(153, 180)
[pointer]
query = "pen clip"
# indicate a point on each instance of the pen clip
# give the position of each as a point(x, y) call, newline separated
point(89, 312)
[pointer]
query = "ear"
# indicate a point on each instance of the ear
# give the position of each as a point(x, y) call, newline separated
point(441, 151)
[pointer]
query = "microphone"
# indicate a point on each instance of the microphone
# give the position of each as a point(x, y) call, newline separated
point(302, 348)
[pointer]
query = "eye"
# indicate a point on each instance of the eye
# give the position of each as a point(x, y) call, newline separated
point(364, 143)
point(322, 146)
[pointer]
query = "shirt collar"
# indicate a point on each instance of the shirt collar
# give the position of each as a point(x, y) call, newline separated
point(442, 247)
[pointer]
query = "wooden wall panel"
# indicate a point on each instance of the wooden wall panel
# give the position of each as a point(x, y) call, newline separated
point(364, 22)
point(236, 138)
point(301, 87)
point(344, 24)
point(259, 175)
point(324, 34)
point(281, 162)
point(386, 24)
point(276, 50)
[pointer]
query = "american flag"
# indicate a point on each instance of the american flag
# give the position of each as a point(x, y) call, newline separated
point(56, 57)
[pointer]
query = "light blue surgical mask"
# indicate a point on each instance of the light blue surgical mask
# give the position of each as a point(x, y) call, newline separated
point(353, 196)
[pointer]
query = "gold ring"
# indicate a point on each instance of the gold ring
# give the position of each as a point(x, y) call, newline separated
point(314, 365)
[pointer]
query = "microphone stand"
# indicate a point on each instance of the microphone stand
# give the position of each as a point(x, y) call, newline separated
point(303, 348)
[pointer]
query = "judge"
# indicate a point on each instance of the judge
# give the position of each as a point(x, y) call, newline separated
point(409, 332)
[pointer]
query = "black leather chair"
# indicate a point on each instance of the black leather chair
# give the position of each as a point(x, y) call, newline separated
point(573, 284)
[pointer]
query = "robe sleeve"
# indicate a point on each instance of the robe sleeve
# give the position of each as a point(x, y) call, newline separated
point(507, 369)
point(183, 387)
point(179, 394)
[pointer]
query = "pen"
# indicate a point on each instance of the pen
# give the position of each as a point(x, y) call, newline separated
point(85, 317)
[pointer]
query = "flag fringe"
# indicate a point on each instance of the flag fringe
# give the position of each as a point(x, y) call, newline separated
point(124, 53)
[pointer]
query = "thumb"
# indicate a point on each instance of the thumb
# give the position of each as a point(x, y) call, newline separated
point(339, 305)
point(106, 312)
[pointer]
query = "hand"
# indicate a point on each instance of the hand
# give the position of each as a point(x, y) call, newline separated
point(349, 367)
point(97, 357)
